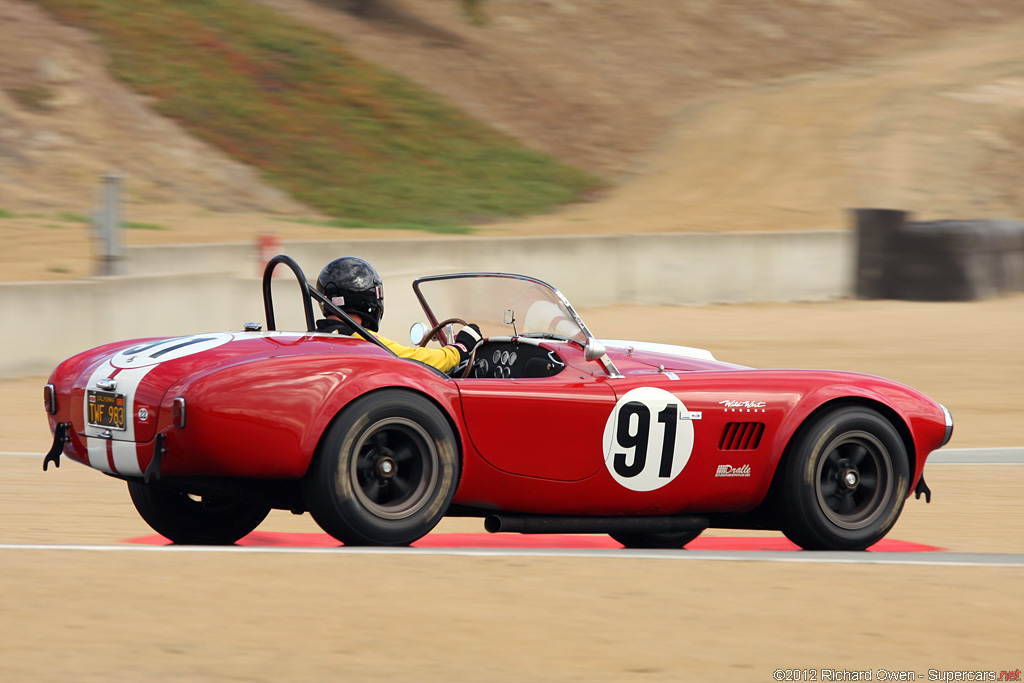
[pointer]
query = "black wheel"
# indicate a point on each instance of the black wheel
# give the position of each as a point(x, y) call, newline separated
point(845, 481)
point(384, 472)
point(667, 540)
point(192, 520)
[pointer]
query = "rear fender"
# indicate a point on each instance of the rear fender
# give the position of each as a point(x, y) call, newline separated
point(448, 405)
point(408, 375)
point(266, 422)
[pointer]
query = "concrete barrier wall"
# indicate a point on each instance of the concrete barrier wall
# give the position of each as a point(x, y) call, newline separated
point(46, 322)
point(692, 268)
point(175, 259)
point(705, 268)
point(184, 289)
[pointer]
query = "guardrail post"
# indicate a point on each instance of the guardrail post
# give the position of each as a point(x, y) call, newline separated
point(107, 225)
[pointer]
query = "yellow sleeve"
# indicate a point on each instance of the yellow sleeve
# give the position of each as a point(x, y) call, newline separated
point(444, 358)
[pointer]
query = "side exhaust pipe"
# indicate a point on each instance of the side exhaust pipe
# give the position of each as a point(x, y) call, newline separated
point(561, 524)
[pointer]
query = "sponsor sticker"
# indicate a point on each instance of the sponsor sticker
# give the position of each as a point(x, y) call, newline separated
point(730, 471)
point(744, 406)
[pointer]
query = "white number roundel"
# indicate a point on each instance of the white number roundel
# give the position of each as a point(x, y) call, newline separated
point(646, 444)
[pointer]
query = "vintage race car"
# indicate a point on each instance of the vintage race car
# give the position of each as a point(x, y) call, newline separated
point(545, 430)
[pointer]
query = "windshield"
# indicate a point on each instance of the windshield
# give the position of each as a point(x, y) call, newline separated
point(501, 304)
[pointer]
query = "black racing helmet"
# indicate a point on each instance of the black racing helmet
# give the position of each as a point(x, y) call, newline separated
point(354, 286)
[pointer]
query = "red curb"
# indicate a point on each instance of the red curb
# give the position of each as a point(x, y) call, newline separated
point(485, 540)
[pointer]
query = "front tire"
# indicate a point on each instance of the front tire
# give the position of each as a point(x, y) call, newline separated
point(385, 471)
point(844, 482)
point(186, 520)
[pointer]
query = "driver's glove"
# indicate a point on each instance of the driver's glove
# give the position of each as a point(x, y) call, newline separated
point(467, 340)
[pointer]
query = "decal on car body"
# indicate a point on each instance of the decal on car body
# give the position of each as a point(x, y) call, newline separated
point(151, 353)
point(648, 439)
point(730, 471)
point(744, 406)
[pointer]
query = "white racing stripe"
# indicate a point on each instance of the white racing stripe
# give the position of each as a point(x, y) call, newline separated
point(126, 458)
point(98, 454)
point(97, 447)
point(121, 450)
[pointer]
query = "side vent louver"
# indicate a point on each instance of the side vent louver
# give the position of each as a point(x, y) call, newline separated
point(741, 436)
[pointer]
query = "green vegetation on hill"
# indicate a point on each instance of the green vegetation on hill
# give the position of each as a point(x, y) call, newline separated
point(337, 133)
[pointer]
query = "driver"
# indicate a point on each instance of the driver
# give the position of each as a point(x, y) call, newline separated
point(354, 286)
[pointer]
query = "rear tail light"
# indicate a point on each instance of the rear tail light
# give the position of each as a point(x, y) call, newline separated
point(50, 399)
point(178, 412)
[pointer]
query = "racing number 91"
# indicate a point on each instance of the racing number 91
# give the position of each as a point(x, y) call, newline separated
point(638, 440)
point(646, 445)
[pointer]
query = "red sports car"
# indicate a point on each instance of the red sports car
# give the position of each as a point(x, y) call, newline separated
point(545, 430)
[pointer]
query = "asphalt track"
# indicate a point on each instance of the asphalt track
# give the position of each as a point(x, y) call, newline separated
point(980, 456)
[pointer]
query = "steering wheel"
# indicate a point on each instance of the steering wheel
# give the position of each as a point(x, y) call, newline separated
point(437, 328)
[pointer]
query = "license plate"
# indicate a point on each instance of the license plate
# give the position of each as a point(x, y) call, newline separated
point(106, 409)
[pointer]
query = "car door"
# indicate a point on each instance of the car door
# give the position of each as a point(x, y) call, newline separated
point(548, 428)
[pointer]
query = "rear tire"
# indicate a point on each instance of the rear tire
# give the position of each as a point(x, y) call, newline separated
point(186, 520)
point(667, 540)
point(844, 482)
point(385, 471)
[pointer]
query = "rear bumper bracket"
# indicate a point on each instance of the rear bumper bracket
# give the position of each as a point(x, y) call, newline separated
point(153, 469)
point(922, 488)
point(60, 437)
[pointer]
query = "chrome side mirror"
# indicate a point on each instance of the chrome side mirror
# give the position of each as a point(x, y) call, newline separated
point(594, 350)
point(416, 333)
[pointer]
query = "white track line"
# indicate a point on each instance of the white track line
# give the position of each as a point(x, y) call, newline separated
point(977, 456)
point(939, 559)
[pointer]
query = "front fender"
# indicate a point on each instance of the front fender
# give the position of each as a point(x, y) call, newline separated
point(919, 420)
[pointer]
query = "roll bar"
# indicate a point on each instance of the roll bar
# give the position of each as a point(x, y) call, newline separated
point(308, 294)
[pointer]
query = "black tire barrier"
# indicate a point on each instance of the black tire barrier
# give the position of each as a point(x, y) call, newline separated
point(962, 260)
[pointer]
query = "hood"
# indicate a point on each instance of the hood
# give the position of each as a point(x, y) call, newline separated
point(669, 356)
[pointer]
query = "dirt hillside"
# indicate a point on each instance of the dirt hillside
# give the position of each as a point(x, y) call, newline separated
point(706, 115)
